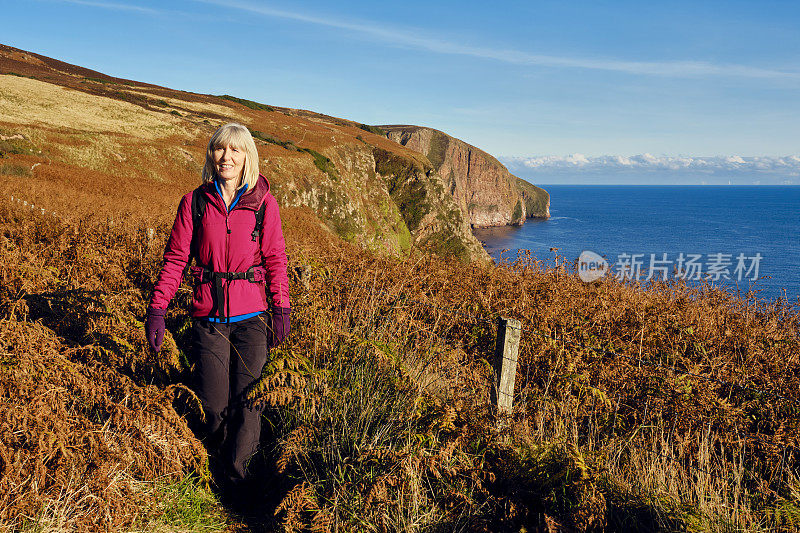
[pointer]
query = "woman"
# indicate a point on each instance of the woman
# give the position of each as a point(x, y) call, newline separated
point(236, 264)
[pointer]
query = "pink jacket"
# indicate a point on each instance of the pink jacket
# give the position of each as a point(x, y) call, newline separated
point(226, 245)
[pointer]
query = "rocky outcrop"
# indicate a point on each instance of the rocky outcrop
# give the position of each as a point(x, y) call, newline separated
point(486, 192)
point(429, 211)
point(382, 199)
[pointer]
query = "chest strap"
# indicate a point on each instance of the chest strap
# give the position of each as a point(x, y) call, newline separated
point(254, 274)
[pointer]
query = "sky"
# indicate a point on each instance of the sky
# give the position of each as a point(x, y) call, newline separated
point(533, 81)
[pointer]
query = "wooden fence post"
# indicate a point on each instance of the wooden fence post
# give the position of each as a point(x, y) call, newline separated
point(506, 353)
point(304, 273)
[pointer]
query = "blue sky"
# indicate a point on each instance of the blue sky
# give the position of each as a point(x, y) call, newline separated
point(516, 79)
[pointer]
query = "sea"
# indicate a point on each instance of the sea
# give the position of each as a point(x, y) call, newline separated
point(746, 238)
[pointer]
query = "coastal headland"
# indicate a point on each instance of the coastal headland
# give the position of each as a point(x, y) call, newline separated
point(658, 407)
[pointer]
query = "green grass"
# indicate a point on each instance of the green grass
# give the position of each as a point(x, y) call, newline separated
point(411, 198)
point(101, 80)
point(267, 138)
point(372, 129)
point(17, 74)
point(14, 170)
point(438, 148)
point(446, 243)
point(185, 505)
point(517, 214)
point(368, 408)
point(390, 164)
point(248, 103)
point(322, 163)
point(405, 188)
point(16, 146)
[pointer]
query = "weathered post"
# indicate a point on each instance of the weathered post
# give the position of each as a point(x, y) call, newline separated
point(304, 273)
point(150, 235)
point(506, 353)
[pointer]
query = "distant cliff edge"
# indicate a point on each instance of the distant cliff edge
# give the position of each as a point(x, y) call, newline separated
point(487, 193)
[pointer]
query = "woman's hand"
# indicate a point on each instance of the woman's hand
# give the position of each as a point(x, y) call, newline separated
point(280, 326)
point(154, 328)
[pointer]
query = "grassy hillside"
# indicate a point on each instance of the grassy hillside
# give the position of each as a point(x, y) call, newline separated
point(76, 141)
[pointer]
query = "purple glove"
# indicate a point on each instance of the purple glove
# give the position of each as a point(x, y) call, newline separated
point(280, 326)
point(154, 327)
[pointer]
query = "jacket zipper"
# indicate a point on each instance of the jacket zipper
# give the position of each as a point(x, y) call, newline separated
point(227, 261)
point(227, 256)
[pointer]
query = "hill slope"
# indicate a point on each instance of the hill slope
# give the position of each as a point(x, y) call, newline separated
point(72, 137)
point(483, 188)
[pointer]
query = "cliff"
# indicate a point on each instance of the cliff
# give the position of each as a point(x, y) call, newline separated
point(482, 187)
point(79, 142)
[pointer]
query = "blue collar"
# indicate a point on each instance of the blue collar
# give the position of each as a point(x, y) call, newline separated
point(239, 193)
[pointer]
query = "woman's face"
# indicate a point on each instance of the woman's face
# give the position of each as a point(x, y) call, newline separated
point(228, 162)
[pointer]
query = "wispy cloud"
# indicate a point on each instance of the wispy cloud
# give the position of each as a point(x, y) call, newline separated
point(115, 6)
point(409, 38)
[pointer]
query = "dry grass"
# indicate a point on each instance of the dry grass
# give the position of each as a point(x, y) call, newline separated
point(83, 422)
point(632, 447)
point(198, 107)
point(380, 399)
point(27, 101)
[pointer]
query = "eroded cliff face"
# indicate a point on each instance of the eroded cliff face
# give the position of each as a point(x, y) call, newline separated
point(485, 191)
point(383, 200)
point(431, 214)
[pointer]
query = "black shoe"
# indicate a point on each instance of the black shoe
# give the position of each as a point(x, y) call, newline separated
point(239, 495)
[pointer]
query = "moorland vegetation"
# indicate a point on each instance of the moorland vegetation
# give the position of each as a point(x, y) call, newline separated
point(637, 408)
point(379, 405)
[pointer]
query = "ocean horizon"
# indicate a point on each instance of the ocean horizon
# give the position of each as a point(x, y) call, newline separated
point(745, 237)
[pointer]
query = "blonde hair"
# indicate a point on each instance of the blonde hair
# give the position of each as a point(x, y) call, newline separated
point(237, 136)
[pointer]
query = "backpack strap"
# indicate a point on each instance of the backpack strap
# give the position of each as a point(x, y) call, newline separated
point(199, 202)
point(259, 223)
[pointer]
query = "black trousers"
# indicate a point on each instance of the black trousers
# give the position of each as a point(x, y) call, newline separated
point(228, 359)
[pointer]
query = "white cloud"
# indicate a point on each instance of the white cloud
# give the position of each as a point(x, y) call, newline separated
point(648, 163)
